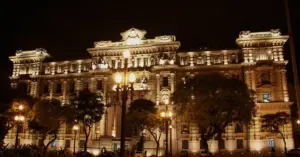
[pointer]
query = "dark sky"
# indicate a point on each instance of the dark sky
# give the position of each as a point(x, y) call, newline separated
point(67, 28)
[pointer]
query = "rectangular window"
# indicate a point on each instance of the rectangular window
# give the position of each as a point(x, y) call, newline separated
point(266, 97)
point(81, 143)
point(145, 62)
point(85, 85)
point(99, 84)
point(53, 144)
point(72, 87)
point(46, 88)
point(185, 144)
point(239, 128)
point(185, 129)
point(58, 88)
point(119, 64)
point(271, 143)
point(165, 82)
point(132, 63)
point(239, 143)
point(67, 144)
point(138, 62)
point(69, 129)
point(221, 144)
point(113, 63)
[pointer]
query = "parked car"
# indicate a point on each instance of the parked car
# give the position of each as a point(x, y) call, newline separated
point(184, 153)
point(294, 152)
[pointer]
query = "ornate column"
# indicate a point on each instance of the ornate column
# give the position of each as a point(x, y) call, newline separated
point(191, 56)
point(51, 89)
point(250, 54)
point(66, 68)
point(245, 54)
point(279, 83)
point(225, 58)
point(172, 82)
point(253, 80)
point(284, 86)
point(275, 54)
point(79, 67)
point(64, 94)
point(280, 55)
point(208, 58)
point(149, 61)
point(105, 82)
point(157, 88)
point(14, 70)
point(78, 86)
point(33, 89)
point(53, 69)
point(92, 84)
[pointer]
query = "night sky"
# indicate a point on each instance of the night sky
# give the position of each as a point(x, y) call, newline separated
point(67, 28)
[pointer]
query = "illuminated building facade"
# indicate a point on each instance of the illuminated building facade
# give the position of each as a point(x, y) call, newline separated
point(158, 65)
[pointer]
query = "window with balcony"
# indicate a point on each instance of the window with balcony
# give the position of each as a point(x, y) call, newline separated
point(239, 128)
point(46, 88)
point(138, 60)
point(221, 143)
point(266, 97)
point(146, 62)
point(113, 63)
point(99, 84)
point(165, 82)
point(239, 143)
point(68, 144)
point(72, 87)
point(58, 88)
point(185, 144)
point(185, 129)
point(271, 143)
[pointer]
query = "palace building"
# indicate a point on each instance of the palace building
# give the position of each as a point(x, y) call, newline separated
point(158, 65)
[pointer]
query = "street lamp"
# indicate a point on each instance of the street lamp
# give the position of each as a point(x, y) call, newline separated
point(166, 117)
point(171, 139)
point(123, 85)
point(19, 120)
point(75, 129)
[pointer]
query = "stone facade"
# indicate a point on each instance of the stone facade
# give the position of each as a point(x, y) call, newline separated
point(159, 65)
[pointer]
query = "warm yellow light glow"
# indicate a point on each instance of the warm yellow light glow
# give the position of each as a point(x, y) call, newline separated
point(170, 114)
point(166, 101)
point(75, 127)
point(170, 127)
point(118, 78)
point(131, 78)
point(20, 107)
point(162, 114)
point(21, 118)
point(126, 54)
point(16, 118)
point(298, 121)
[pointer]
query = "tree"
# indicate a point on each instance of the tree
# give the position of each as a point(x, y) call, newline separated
point(138, 114)
point(273, 122)
point(46, 117)
point(213, 101)
point(155, 126)
point(8, 109)
point(88, 110)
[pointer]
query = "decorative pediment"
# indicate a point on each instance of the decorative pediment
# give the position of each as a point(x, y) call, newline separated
point(133, 36)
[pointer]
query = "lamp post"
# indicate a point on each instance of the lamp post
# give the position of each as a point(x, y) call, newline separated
point(75, 129)
point(19, 119)
point(123, 85)
point(170, 139)
point(166, 117)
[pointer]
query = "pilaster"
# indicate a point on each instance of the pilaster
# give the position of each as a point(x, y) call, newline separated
point(64, 94)
point(284, 85)
point(225, 58)
point(172, 82)
point(157, 88)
